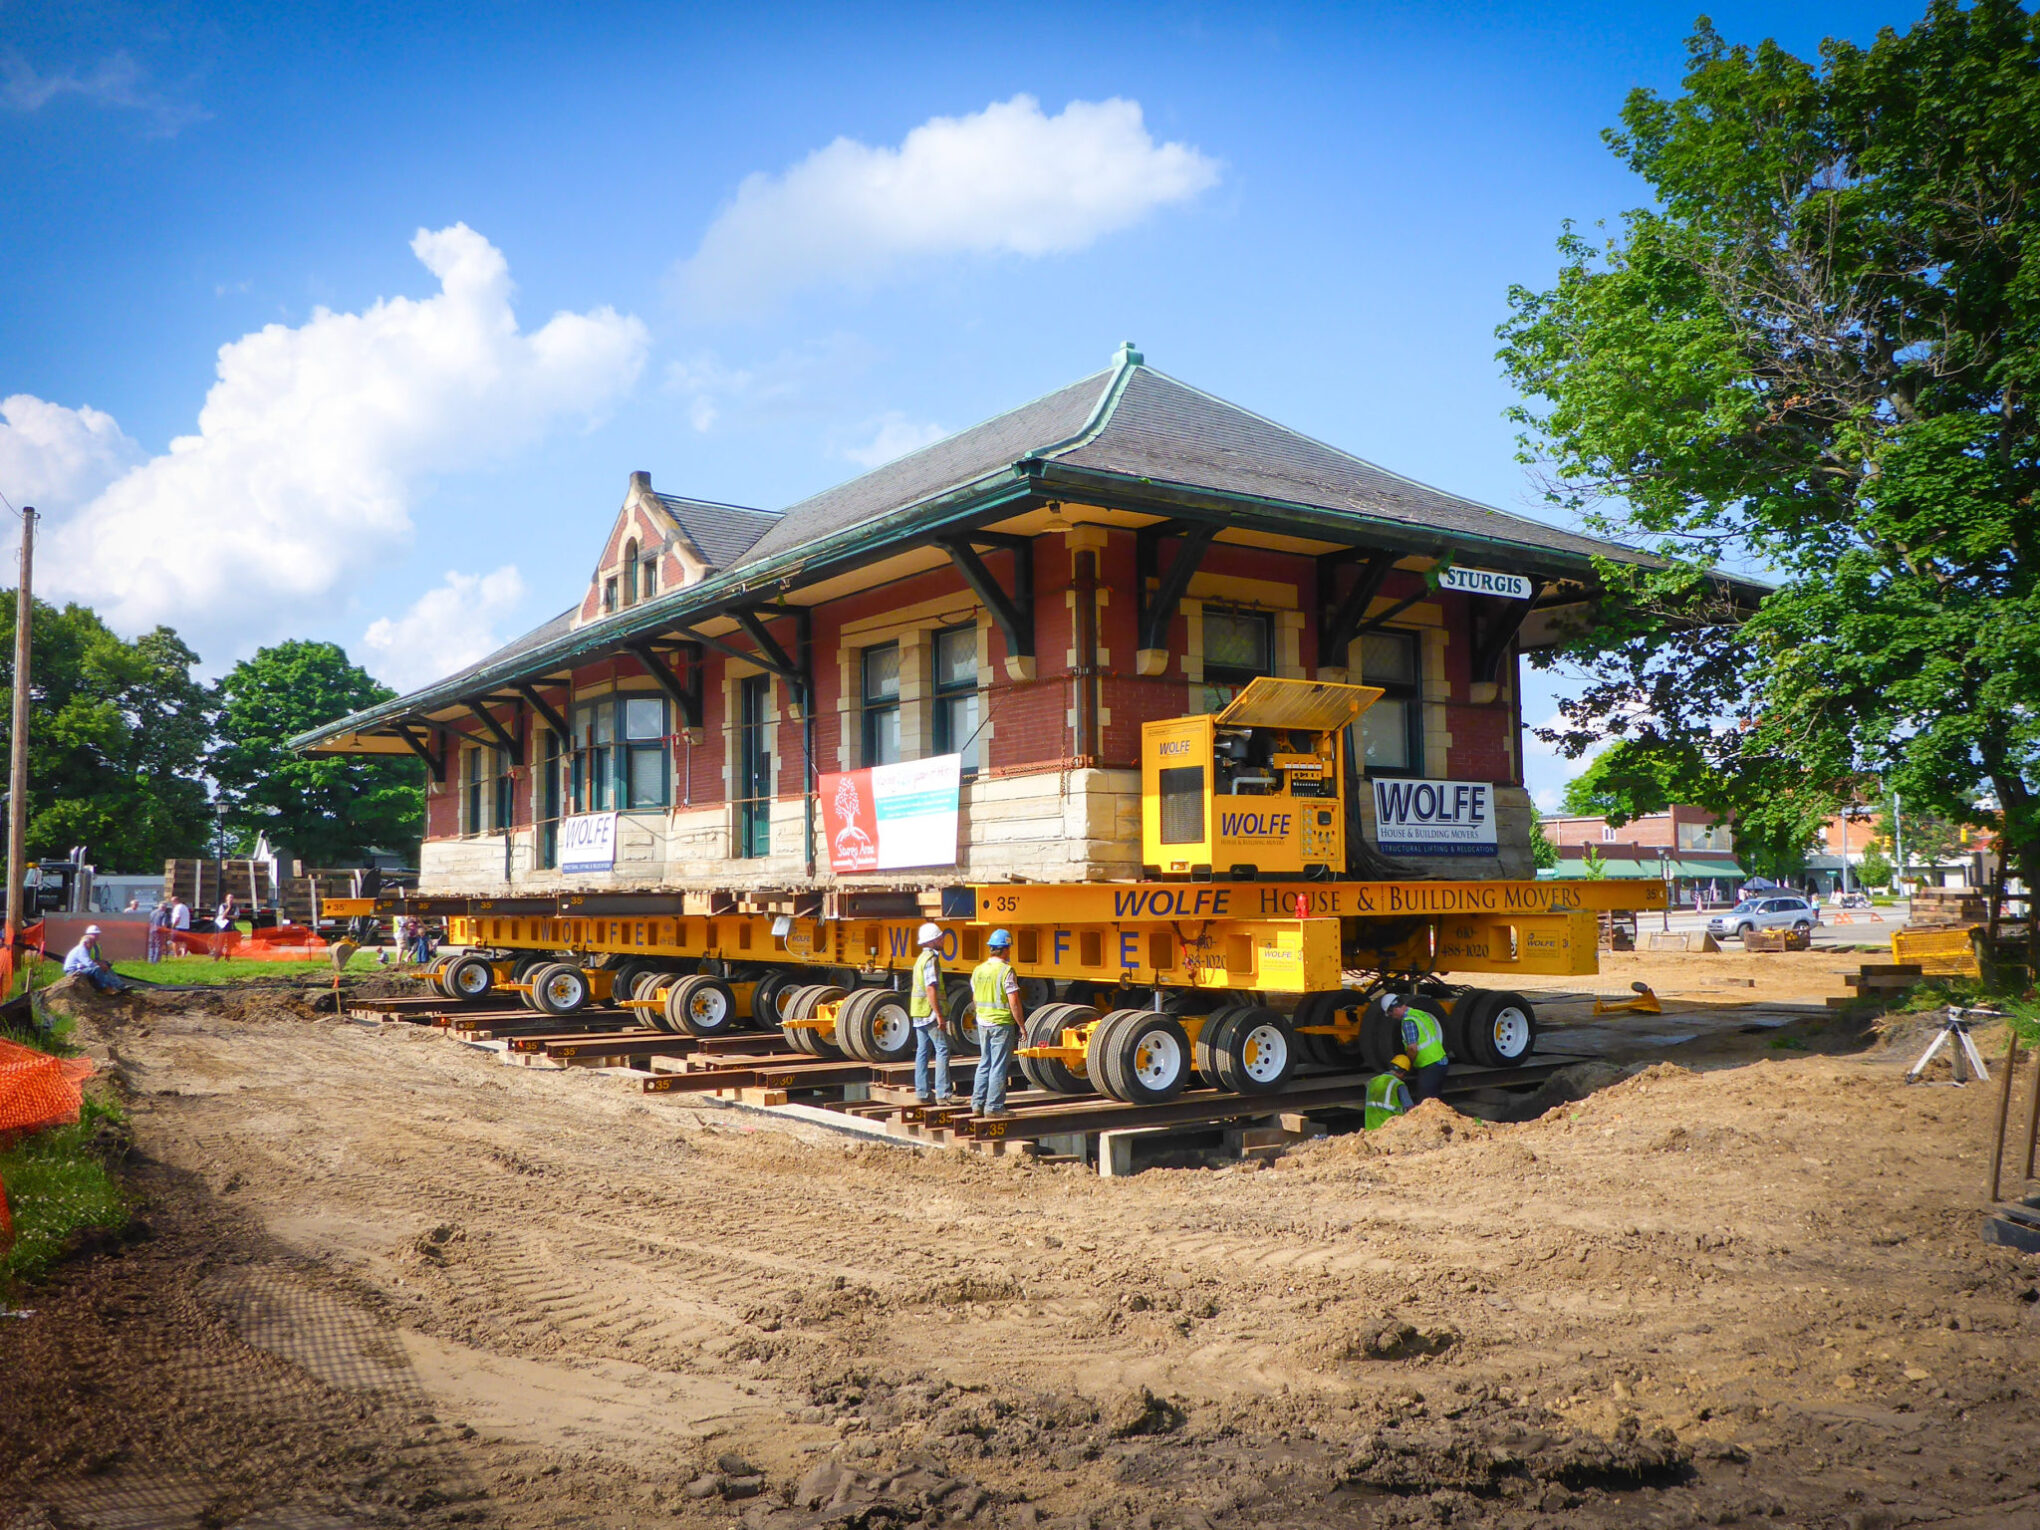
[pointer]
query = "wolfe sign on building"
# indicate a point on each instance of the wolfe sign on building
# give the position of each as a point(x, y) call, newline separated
point(1434, 817)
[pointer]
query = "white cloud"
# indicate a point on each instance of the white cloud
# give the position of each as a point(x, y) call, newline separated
point(116, 81)
point(893, 435)
point(446, 629)
point(53, 457)
point(314, 444)
point(819, 378)
point(1006, 180)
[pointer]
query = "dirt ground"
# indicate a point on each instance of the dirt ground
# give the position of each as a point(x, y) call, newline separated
point(386, 1280)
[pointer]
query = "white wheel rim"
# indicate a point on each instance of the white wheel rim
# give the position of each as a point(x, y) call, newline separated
point(891, 1028)
point(563, 988)
point(1512, 1032)
point(472, 980)
point(968, 1029)
point(1157, 1060)
point(708, 1008)
point(1264, 1054)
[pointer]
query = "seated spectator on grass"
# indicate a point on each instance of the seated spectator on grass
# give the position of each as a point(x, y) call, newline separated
point(83, 960)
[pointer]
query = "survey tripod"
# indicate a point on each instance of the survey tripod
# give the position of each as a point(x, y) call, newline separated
point(1954, 1032)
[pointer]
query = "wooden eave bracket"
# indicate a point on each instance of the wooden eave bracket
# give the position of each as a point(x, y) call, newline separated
point(543, 708)
point(1492, 637)
point(503, 737)
point(1014, 613)
point(1156, 611)
point(1339, 618)
point(685, 698)
point(436, 763)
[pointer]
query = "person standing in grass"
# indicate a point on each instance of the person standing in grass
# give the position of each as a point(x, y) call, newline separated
point(159, 930)
point(223, 926)
point(180, 924)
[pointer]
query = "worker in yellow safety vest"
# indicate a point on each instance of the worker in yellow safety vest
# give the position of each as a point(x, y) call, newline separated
point(1388, 1094)
point(995, 990)
point(924, 1008)
point(1423, 1042)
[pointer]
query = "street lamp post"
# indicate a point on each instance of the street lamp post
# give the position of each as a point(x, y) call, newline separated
point(1664, 865)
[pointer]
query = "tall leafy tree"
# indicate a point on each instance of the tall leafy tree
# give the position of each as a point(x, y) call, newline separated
point(116, 741)
point(1816, 353)
point(330, 810)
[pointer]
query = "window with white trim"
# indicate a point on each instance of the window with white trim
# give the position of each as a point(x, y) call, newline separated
point(880, 694)
point(956, 694)
point(1392, 730)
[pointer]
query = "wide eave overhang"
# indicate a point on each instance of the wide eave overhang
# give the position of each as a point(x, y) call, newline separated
point(774, 584)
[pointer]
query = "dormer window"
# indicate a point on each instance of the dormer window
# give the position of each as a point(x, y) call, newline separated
point(630, 572)
point(609, 597)
point(651, 566)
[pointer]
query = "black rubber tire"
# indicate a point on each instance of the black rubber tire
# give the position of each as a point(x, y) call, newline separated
point(769, 997)
point(1044, 1029)
point(1204, 1050)
point(1105, 1055)
point(644, 984)
point(1507, 1033)
point(530, 962)
point(1463, 1023)
point(1155, 1039)
point(701, 1006)
point(1257, 1053)
point(1318, 1009)
point(801, 1006)
point(469, 977)
point(1380, 1037)
point(1024, 1037)
point(959, 1019)
point(873, 1026)
point(553, 994)
point(624, 974)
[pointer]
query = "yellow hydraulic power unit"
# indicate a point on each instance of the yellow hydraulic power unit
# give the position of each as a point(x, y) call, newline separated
point(1254, 789)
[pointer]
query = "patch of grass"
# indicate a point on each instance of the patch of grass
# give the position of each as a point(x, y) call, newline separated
point(203, 969)
point(59, 1183)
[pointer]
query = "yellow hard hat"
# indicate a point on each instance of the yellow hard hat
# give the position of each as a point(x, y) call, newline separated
point(1400, 1063)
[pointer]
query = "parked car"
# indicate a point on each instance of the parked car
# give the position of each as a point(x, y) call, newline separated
point(1774, 911)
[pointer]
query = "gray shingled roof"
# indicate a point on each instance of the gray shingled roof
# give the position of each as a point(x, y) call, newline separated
point(1162, 429)
point(950, 463)
point(1158, 429)
point(538, 637)
point(724, 533)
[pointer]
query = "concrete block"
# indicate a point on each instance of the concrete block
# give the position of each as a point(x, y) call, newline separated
point(1115, 1150)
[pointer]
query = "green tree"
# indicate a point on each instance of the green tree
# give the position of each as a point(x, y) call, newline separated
point(330, 810)
point(1542, 850)
point(1816, 353)
point(1874, 870)
point(116, 741)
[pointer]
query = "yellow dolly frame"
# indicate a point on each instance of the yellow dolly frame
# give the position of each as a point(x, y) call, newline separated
point(1238, 980)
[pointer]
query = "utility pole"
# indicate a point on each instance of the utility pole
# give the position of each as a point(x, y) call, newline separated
point(17, 776)
point(1898, 841)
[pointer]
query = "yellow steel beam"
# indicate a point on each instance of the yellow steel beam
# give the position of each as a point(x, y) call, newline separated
point(1165, 902)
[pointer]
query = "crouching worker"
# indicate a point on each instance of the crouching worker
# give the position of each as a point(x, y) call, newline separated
point(995, 990)
point(83, 960)
point(924, 1007)
point(1388, 1094)
point(1423, 1040)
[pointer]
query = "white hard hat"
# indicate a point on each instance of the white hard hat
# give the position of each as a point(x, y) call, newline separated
point(928, 934)
point(91, 929)
point(1391, 1000)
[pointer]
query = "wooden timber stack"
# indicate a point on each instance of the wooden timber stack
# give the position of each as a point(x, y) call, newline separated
point(305, 897)
point(203, 883)
point(1937, 907)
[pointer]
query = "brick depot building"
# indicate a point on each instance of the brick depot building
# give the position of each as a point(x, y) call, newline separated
point(1024, 594)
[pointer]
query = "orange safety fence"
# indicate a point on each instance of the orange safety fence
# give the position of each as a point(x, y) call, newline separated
point(37, 1090)
point(28, 938)
point(277, 943)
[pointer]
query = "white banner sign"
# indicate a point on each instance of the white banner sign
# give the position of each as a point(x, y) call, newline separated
point(588, 843)
point(1434, 817)
point(893, 816)
point(1481, 581)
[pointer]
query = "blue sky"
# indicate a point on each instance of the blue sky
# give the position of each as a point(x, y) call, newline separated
point(642, 251)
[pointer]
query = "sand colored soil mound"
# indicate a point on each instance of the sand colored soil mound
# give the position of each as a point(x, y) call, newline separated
point(393, 1282)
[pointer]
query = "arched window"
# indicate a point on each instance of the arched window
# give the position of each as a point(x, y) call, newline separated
point(630, 572)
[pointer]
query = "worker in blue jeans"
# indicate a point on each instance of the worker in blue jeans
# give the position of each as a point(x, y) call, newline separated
point(995, 990)
point(83, 960)
point(924, 1008)
point(1423, 1040)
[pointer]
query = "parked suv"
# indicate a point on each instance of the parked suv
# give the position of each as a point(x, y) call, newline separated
point(1777, 911)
